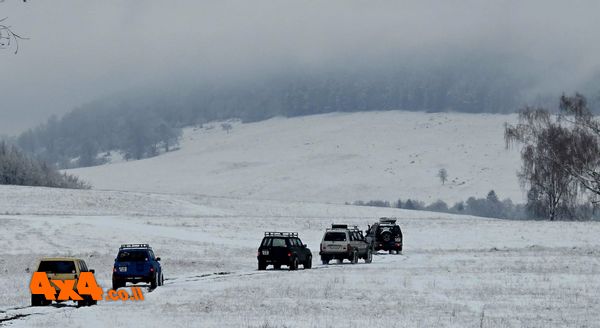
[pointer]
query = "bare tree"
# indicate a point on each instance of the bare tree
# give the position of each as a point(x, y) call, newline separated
point(443, 175)
point(8, 38)
point(584, 162)
point(548, 146)
point(227, 127)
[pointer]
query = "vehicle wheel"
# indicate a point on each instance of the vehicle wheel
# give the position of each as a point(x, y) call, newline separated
point(161, 281)
point(117, 284)
point(369, 257)
point(294, 264)
point(308, 263)
point(154, 282)
point(354, 258)
point(37, 300)
point(262, 266)
point(86, 301)
point(391, 251)
point(324, 260)
point(277, 266)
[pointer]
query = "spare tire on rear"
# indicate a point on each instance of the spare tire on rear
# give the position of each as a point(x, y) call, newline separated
point(386, 236)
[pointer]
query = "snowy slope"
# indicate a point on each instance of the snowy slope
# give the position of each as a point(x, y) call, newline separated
point(331, 158)
point(456, 271)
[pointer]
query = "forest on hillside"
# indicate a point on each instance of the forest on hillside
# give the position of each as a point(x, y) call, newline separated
point(147, 121)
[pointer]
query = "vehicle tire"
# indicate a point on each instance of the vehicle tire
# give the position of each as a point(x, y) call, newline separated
point(154, 282)
point(262, 266)
point(117, 284)
point(391, 251)
point(161, 280)
point(37, 300)
point(386, 236)
point(277, 266)
point(86, 301)
point(308, 263)
point(324, 260)
point(294, 264)
point(354, 258)
point(369, 257)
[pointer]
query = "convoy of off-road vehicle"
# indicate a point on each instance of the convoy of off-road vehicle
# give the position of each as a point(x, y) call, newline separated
point(340, 242)
point(137, 263)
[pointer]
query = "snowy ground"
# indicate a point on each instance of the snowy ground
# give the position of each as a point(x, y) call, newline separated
point(335, 158)
point(456, 271)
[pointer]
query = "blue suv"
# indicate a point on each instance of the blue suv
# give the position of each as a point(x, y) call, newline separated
point(136, 263)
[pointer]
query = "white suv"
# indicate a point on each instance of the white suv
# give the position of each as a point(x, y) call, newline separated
point(340, 242)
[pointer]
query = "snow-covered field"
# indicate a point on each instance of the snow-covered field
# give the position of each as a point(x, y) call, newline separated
point(334, 158)
point(456, 271)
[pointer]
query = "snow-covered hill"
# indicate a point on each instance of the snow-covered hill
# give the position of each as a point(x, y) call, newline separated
point(331, 158)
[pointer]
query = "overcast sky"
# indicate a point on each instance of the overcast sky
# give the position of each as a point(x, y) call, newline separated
point(79, 51)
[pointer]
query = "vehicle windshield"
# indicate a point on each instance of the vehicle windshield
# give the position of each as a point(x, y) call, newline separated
point(335, 236)
point(133, 255)
point(57, 267)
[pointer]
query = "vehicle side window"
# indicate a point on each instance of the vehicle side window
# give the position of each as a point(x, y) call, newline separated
point(266, 242)
point(151, 254)
point(82, 266)
point(299, 242)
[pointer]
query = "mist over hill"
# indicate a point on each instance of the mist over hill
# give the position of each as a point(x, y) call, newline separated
point(130, 80)
point(146, 121)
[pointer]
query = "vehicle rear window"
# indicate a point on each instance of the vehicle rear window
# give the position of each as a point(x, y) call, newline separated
point(133, 255)
point(57, 267)
point(335, 236)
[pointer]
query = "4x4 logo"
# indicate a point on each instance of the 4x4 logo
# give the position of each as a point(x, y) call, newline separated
point(70, 289)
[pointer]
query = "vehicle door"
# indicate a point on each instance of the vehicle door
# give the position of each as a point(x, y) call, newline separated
point(154, 261)
point(59, 270)
point(335, 241)
point(278, 249)
point(299, 249)
point(357, 243)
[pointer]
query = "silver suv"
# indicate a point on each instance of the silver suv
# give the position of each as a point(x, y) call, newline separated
point(341, 242)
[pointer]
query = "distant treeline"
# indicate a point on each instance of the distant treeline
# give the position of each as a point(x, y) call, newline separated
point(16, 168)
point(490, 206)
point(143, 123)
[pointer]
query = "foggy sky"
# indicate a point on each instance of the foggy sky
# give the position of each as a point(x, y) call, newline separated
point(79, 51)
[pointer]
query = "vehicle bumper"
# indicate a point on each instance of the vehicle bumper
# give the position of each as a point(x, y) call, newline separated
point(388, 246)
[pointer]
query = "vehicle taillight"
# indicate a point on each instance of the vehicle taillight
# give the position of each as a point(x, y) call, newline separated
point(289, 254)
point(258, 253)
point(114, 269)
point(349, 247)
point(151, 269)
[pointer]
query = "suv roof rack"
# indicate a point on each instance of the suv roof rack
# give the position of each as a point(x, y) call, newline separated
point(280, 234)
point(387, 220)
point(135, 246)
